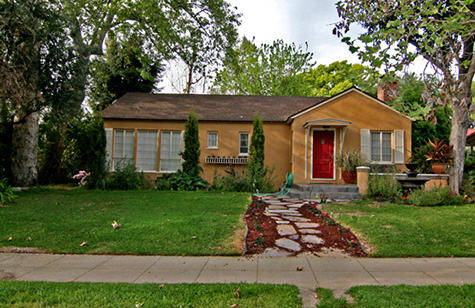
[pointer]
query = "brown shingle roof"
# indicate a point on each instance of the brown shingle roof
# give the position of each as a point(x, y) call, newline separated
point(241, 108)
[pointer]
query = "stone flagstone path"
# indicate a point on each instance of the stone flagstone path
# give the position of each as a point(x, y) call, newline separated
point(293, 227)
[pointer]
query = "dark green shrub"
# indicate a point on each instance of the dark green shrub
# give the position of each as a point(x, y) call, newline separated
point(383, 187)
point(468, 185)
point(86, 150)
point(6, 192)
point(5, 149)
point(469, 164)
point(242, 182)
point(125, 177)
point(163, 183)
point(234, 181)
point(419, 157)
point(260, 178)
point(187, 181)
point(438, 196)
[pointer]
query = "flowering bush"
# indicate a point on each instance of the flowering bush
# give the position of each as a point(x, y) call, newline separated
point(258, 239)
point(435, 197)
point(326, 218)
point(82, 177)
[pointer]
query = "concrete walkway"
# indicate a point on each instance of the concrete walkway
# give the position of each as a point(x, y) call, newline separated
point(338, 274)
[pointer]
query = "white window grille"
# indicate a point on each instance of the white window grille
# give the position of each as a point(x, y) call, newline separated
point(170, 147)
point(123, 148)
point(381, 149)
point(243, 143)
point(147, 150)
point(212, 140)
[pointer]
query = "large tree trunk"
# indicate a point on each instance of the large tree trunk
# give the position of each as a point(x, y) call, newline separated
point(458, 138)
point(25, 152)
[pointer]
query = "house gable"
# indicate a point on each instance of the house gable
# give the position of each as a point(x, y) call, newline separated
point(337, 97)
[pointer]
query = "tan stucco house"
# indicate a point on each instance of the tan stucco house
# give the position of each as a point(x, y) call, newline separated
point(301, 133)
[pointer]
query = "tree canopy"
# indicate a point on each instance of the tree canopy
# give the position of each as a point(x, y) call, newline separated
point(126, 67)
point(36, 77)
point(266, 70)
point(408, 101)
point(39, 66)
point(329, 80)
point(441, 31)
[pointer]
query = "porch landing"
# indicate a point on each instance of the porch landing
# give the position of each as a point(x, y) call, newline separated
point(331, 191)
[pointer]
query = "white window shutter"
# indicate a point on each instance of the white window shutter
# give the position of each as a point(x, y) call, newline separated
point(366, 143)
point(399, 146)
point(109, 148)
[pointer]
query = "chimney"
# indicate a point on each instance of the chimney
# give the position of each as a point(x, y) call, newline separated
point(388, 92)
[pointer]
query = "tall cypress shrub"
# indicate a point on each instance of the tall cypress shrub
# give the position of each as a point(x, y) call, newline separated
point(257, 141)
point(191, 155)
point(256, 171)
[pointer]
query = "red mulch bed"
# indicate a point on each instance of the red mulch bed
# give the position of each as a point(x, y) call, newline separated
point(330, 234)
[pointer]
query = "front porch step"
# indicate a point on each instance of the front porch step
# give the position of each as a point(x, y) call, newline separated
point(331, 191)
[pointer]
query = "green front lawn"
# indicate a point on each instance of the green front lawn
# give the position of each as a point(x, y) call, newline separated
point(211, 223)
point(445, 296)
point(407, 231)
point(152, 222)
point(116, 295)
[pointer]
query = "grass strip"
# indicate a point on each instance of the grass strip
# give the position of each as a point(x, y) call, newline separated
point(395, 230)
point(50, 294)
point(444, 296)
point(152, 222)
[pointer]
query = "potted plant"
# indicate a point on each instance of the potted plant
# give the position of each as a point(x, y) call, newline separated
point(348, 161)
point(441, 156)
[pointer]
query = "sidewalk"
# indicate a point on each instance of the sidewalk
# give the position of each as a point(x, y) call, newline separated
point(338, 274)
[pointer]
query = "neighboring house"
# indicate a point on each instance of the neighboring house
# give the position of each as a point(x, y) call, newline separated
point(301, 133)
point(470, 140)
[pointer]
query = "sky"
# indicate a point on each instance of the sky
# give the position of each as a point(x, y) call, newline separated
point(295, 21)
point(298, 22)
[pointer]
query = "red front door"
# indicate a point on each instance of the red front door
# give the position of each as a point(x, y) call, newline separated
point(323, 145)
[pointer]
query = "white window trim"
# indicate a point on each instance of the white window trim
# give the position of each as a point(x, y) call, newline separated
point(207, 141)
point(248, 143)
point(385, 162)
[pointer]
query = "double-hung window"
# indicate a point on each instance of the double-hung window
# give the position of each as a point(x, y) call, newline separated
point(381, 147)
point(123, 147)
point(243, 143)
point(147, 150)
point(212, 140)
point(170, 147)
